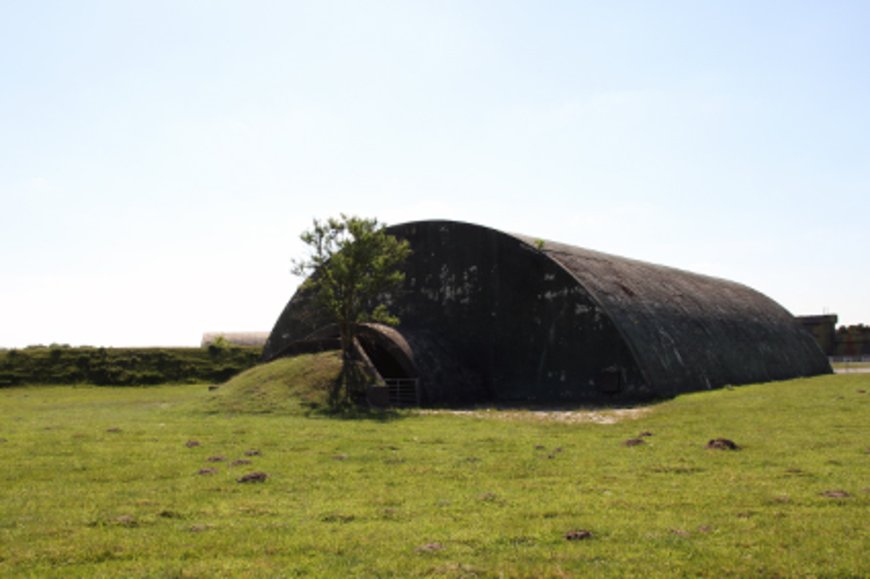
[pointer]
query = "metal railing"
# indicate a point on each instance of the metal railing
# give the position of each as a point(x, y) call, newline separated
point(403, 391)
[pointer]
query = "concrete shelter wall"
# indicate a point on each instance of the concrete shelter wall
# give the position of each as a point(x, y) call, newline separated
point(514, 320)
point(492, 317)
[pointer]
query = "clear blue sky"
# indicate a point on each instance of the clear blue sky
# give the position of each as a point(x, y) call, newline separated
point(158, 159)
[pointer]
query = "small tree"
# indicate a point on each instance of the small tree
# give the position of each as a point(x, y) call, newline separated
point(352, 263)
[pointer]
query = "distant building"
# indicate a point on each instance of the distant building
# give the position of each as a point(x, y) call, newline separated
point(252, 339)
point(824, 330)
point(853, 341)
point(843, 342)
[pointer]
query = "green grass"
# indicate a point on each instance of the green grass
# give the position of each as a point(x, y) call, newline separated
point(100, 482)
point(288, 385)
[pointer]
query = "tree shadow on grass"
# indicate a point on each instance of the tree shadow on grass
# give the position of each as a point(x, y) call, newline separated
point(347, 400)
point(355, 412)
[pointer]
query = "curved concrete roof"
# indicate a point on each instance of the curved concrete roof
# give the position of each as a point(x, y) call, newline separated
point(487, 315)
point(685, 328)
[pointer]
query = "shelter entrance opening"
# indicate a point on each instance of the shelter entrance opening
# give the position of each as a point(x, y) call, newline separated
point(394, 368)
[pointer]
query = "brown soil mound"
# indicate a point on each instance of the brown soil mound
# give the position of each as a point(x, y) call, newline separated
point(578, 535)
point(723, 444)
point(253, 477)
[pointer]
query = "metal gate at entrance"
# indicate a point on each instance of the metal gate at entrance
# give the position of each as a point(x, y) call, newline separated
point(403, 391)
point(391, 366)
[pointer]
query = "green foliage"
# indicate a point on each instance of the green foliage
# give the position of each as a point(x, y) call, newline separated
point(356, 262)
point(101, 483)
point(219, 344)
point(122, 366)
point(353, 263)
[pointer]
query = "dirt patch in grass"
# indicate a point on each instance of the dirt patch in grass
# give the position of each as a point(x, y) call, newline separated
point(337, 518)
point(609, 416)
point(254, 477)
point(126, 521)
point(722, 444)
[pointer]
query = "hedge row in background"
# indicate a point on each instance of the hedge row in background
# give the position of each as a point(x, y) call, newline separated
point(123, 366)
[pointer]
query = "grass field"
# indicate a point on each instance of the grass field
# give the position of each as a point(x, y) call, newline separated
point(102, 481)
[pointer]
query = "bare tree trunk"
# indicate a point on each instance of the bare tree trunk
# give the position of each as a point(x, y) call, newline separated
point(347, 366)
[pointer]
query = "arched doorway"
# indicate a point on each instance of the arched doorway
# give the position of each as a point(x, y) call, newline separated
point(392, 357)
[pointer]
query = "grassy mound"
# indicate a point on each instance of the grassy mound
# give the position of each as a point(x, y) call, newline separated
point(287, 385)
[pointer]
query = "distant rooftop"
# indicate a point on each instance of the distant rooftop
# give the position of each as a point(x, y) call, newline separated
point(236, 338)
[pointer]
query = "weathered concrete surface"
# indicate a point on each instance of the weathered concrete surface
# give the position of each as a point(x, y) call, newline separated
point(491, 317)
point(690, 331)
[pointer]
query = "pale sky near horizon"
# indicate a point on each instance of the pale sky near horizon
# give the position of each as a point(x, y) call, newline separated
point(159, 159)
